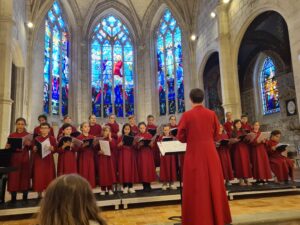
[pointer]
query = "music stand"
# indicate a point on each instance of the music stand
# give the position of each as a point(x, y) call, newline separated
point(5, 157)
point(176, 153)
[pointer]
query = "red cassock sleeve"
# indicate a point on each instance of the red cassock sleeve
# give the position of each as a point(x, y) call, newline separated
point(182, 130)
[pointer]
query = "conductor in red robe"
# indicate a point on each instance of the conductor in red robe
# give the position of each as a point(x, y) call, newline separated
point(204, 197)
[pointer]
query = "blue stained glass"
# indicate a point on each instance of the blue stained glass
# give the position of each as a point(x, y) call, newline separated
point(169, 65)
point(269, 88)
point(116, 76)
point(56, 62)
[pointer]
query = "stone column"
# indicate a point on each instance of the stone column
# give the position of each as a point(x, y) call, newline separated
point(229, 76)
point(6, 25)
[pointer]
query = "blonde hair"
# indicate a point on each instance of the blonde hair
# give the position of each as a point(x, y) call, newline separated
point(69, 200)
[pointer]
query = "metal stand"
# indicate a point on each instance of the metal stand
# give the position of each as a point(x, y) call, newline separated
point(178, 168)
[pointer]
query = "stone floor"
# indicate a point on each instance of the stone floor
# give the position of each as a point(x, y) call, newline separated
point(265, 210)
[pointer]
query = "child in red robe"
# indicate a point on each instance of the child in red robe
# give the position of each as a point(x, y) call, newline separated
point(114, 126)
point(228, 125)
point(19, 180)
point(151, 127)
point(145, 161)
point(67, 119)
point(260, 161)
point(134, 128)
point(43, 168)
point(86, 166)
point(245, 125)
point(127, 165)
point(241, 154)
point(281, 166)
point(42, 119)
point(67, 162)
point(167, 173)
point(95, 128)
point(106, 169)
point(224, 154)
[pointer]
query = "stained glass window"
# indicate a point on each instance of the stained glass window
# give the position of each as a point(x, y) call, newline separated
point(269, 88)
point(112, 69)
point(169, 66)
point(56, 63)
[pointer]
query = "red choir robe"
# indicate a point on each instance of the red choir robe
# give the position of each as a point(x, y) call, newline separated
point(281, 166)
point(156, 153)
point(43, 168)
point(114, 128)
point(145, 161)
point(127, 165)
point(246, 127)
point(134, 129)
point(86, 166)
point(106, 169)
point(204, 197)
point(224, 155)
point(19, 181)
point(167, 171)
point(37, 132)
point(241, 158)
point(260, 160)
point(95, 130)
point(60, 132)
point(67, 161)
point(228, 126)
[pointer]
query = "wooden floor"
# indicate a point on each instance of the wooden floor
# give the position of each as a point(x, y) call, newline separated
point(243, 211)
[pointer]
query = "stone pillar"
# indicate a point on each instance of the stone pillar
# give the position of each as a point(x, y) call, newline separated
point(229, 76)
point(6, 25)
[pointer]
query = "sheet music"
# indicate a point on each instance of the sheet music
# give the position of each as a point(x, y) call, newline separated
point(104, 145)
point(171, 147)
point(46, 148)
point(28, 137)
point(264, 135)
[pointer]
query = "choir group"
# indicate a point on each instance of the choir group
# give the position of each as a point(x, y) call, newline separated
point(134, 154)
point(246, 152)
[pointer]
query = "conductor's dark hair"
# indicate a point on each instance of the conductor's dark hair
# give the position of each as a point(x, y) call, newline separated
point(275, 132)
point(142, 123)
point(42, 116)
point(45, 125)
point(197, 95)
point(66, 125)
point(126, 125)
point(21, 119)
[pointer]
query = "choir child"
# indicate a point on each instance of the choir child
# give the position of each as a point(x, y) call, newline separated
point(114, 126)
point(145, 161)
point(134, 128)
point(167, 173)
point(67, 162)
point(228, 125)
point(68, 119)
point(224, 154)
point(43, 168)
point(152, 129)
point(127, 165)
point(241, 155)
point(281, 166)
point(245, 125)
point(106, 169)
point(260, 161)
point(86, 166)
point(95, 128)
point(19, 180)
point(42, 119)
